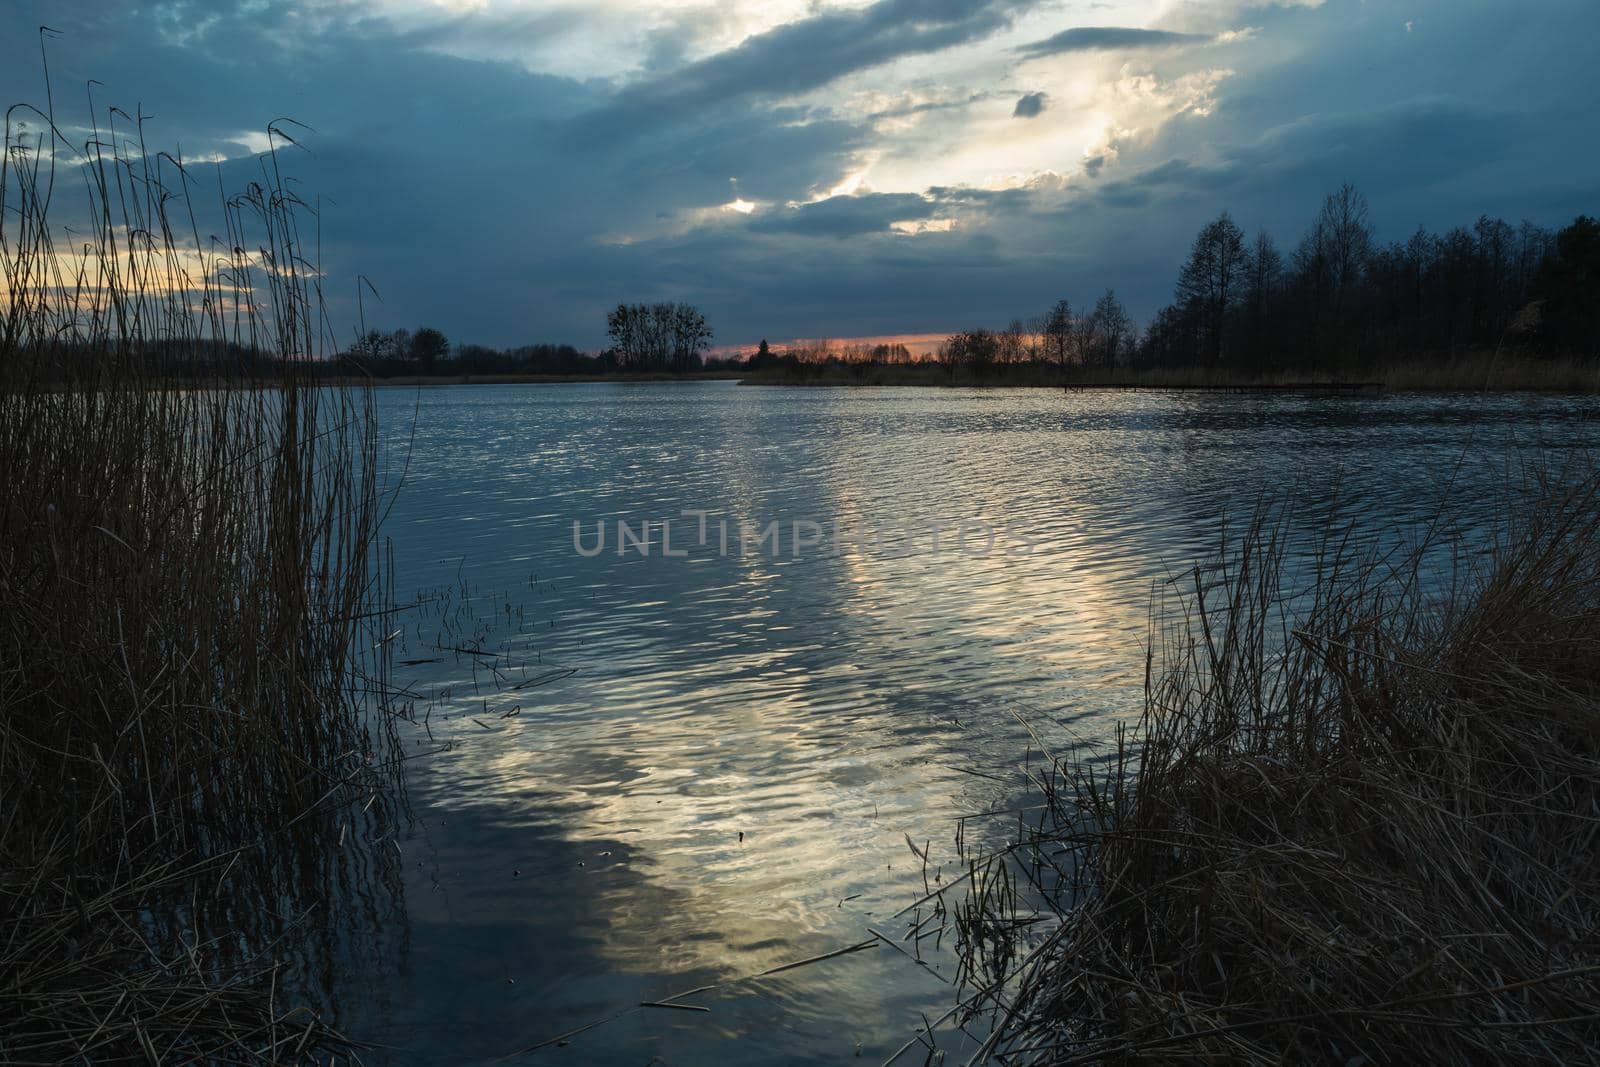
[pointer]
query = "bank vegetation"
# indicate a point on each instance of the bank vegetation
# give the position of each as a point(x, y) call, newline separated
point(196, 760)
point(1356, 823)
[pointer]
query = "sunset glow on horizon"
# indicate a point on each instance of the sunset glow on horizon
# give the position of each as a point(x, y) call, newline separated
point(920, 345)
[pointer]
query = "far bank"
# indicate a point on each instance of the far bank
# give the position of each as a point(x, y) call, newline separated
point(1473, 372)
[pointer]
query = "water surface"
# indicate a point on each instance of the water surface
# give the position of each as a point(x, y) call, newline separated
point(714, 761)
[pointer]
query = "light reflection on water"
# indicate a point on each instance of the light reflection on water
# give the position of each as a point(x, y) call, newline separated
point(585, 854)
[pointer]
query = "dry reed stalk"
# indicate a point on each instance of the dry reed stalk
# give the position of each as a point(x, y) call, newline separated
point(192, 716)
point(1355, 824)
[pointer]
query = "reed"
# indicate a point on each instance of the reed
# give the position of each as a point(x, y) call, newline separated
point(195, 743)
point(1356, 823)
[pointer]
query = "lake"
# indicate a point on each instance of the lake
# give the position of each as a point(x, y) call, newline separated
point(645, 772)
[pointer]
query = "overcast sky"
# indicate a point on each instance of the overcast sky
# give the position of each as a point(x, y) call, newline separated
point(507, 169)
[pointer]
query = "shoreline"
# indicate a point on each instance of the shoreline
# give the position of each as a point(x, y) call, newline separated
point(1477, 373)
point(528, 379)
point(1480, 372)
point(1108, 386)
point(1332, 387)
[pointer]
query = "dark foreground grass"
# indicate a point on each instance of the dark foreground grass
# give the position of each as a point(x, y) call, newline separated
point(195, 753)
point(1356, 823)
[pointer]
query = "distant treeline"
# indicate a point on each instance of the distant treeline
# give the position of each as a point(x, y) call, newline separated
point(1340, 301)
point(662, 338)
point(428, 352)
point(1341, 296)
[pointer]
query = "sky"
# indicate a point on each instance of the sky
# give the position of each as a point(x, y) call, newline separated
point(506, 170)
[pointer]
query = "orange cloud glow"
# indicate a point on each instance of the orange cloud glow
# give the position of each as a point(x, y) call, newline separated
point(921, 345)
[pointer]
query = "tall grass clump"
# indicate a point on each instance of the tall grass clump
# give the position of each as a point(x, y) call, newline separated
point(193, 734)
point(1357, 822)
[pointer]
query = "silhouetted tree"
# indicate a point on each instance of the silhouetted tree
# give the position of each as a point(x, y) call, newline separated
point(1085, 337)
point(1402, 276)
point(427, 347)
point(690, 335)
point(374, 346)
point(1330, 265)
point(1210, 282)
point(1013, 342)
point(1569, 284)
point(1263, 277)
point(1058, 333)
point(1110, 332)
point(974, 350)
point(657, 336)
point(1345, 300)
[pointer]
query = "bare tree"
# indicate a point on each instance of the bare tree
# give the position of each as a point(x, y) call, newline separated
point(1057, 332)
point(1013, 342)
point(975, 350)
point(1263, 277)
point(376, 346)
point(1330, 264)
point(1210, 281)
point(1345, 235)
point(690, 335)
point(624, 325)
point(1112, 330)
point(657, 336)
point(1085, 337)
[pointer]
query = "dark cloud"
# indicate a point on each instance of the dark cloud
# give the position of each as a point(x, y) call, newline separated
point(504, 205)
point(848, 216)
point(813, 52)
point(925, 107)
point(990, 200)
point(1140, 188)
point(1029, 106)
point(490, 33)
point(1107, 39)
point(1408, 141)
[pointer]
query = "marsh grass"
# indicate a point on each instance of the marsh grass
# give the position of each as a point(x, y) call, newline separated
point(1356, 823)
point(197, 765)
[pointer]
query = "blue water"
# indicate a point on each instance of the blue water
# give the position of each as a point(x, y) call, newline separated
point(656, 772)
